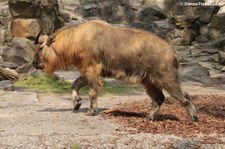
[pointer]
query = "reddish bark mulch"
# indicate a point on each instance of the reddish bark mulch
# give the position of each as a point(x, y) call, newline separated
point(173, 118)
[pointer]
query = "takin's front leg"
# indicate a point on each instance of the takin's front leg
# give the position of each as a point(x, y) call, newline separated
point(77, 84)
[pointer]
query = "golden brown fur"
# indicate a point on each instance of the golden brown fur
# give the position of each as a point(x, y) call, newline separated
point(126, 54)
point(99, 50)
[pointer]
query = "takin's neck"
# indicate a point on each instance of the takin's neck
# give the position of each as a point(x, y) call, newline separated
point(67, 57)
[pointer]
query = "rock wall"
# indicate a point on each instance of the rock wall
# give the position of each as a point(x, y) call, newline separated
point(178, 21)
point(4, 22)
point(30, 16)
point(20, 22)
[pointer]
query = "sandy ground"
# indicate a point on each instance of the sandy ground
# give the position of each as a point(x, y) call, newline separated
point(44, 120)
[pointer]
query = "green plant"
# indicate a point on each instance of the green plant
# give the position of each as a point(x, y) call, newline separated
point(76, 146)
point(59, 85)
point(43, 83)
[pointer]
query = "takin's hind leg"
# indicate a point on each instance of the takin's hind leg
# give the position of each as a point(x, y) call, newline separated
point(93, 95)
point(95, 82)
point(77, 84)
point(157, 97)
point(175, 91)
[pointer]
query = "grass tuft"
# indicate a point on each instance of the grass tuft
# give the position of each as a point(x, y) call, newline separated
point(59, 85)
point(42, 83)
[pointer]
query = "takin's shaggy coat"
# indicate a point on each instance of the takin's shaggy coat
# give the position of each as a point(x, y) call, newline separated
point(100, 50)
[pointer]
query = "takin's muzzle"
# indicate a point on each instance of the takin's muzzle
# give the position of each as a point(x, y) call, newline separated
point(37, 60)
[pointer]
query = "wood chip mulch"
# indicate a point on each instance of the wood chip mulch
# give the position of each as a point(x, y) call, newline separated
point(173, 118)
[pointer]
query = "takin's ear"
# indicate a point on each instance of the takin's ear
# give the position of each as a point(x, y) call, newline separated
point(50, 40)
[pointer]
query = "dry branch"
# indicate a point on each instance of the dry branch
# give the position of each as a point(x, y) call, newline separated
point(8, 74)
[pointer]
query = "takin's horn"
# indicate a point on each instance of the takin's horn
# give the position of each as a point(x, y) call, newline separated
point(52, 31)
point(37, 37)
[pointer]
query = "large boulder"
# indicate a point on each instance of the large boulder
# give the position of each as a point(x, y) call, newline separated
point(24, 8)
point(217, 26)
point(22, 51)
point(162, 28)
point(206, 13)
point(218, 21)
point(152, 13)
point(25, 28)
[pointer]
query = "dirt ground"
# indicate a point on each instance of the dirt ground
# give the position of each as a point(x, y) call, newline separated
point(43, 120)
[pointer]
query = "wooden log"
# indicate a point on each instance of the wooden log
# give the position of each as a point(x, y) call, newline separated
point(8, 74)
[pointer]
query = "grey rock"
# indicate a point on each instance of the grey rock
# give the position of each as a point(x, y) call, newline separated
point(24, 8)
point(202, 39)
point(219, 43)
point(152, 13)
point(216, 74)
point(9, 65)
point(207, 65)
point(6, 85)
point(210, 50)
point(162, 28)
point(195, 73)
point(26, 69)
point(207, 13)
point(218, 22)
point(214, 34)
point(223, 69)
point(22, 52)
point(204, 31)
point(90, 6)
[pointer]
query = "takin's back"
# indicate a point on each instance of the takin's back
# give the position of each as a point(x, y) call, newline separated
point(123, 52)
point(130, 52)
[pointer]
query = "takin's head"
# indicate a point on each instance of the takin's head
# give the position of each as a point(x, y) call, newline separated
point(45, 57)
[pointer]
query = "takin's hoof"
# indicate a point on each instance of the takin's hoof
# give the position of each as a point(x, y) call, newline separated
point(76, 106)
point(92, 112)
point(149, 118)
point(195, 119)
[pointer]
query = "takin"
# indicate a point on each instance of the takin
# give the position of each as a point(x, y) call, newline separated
point(100, 50)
